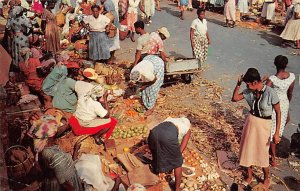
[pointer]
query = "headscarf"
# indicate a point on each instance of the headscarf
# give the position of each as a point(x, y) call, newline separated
point(42, 129)
point(16, 11)
point(36, 53)
point(96, 92)
point(25, 51)
point(135, 76)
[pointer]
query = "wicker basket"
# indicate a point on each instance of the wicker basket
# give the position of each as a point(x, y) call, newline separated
point(114, 77)
point(21, 169)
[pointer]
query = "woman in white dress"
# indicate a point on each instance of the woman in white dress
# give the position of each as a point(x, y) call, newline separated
point(283, 83)
point(292, 28)
point(244, 9)
point(229, 13)
point(268, 11)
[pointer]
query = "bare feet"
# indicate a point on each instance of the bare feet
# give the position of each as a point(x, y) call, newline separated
point(267, 183)
point(149, 112)
point(132, 38)
point(273, 162)
point(249, 180)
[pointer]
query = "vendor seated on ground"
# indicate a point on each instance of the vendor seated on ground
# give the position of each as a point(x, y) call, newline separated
point(149, 75)
point(141, 42)
point(167, 141)
point(155, 45)
point(29, 68)
point(91, 117)
point(57, 166)
point(65, 97)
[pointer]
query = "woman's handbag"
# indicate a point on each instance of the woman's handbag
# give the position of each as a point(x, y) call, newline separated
point(60, 19)
point(111, 30)
point(114, 77)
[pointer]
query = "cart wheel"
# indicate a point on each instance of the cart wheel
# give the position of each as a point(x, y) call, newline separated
point(187, 78)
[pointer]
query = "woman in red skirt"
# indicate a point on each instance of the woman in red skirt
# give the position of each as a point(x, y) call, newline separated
point(90, 117)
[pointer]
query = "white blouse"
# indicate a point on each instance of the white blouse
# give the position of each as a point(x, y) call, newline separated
point(97, 24)
point(199, 26)
point(183, 124)
point(133, 5)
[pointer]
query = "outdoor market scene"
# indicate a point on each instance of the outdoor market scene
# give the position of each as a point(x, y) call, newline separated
point(150, 95)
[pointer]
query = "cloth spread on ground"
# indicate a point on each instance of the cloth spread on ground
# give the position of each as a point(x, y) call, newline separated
point(89, 169)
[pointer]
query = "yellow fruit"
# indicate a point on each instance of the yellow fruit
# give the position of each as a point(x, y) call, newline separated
point(126, 149)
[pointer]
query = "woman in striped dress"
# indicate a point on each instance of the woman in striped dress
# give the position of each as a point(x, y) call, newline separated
point(58, 168)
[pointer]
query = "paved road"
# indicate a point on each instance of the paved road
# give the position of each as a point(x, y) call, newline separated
point(233, 51)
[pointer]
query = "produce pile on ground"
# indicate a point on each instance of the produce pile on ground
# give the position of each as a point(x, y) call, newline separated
point(130, 132)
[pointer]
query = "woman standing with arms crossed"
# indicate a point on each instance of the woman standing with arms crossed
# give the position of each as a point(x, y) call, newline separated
point(199, 36)
point(255, 140)
point(283, 84)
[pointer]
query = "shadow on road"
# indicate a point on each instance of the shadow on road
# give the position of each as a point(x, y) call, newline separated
point(171, 12)
point(176, 55)
point(215, 21)
point(283, 148)
point(271, 38)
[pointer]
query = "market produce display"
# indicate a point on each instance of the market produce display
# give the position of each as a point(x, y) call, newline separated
point(130, 132)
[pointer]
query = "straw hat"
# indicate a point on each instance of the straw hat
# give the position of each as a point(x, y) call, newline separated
point(90, 73)
point(164, 31)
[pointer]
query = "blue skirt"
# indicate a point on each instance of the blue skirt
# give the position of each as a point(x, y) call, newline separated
point(99, 45)
point(184, 2)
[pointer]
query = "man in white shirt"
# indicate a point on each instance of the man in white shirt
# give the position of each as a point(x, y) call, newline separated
point(141, 52)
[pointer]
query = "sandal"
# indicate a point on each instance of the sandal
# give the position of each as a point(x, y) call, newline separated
point(226, 25)
point(273, 163)
point(268, 185)
point(246, 184)
point(98, 141)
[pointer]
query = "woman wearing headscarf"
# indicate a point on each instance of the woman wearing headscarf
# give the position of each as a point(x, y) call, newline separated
point(58, 168)
point(199, 36)
point(292, 29)
point(54, 78)
point(149, 74)
point(18, 25)
point(256, 135)
point(283, 84)
point(32, 79)
point(167, 141)
point(65, 97)
point(90, 116)
point(28, 67)
point(51, 31)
